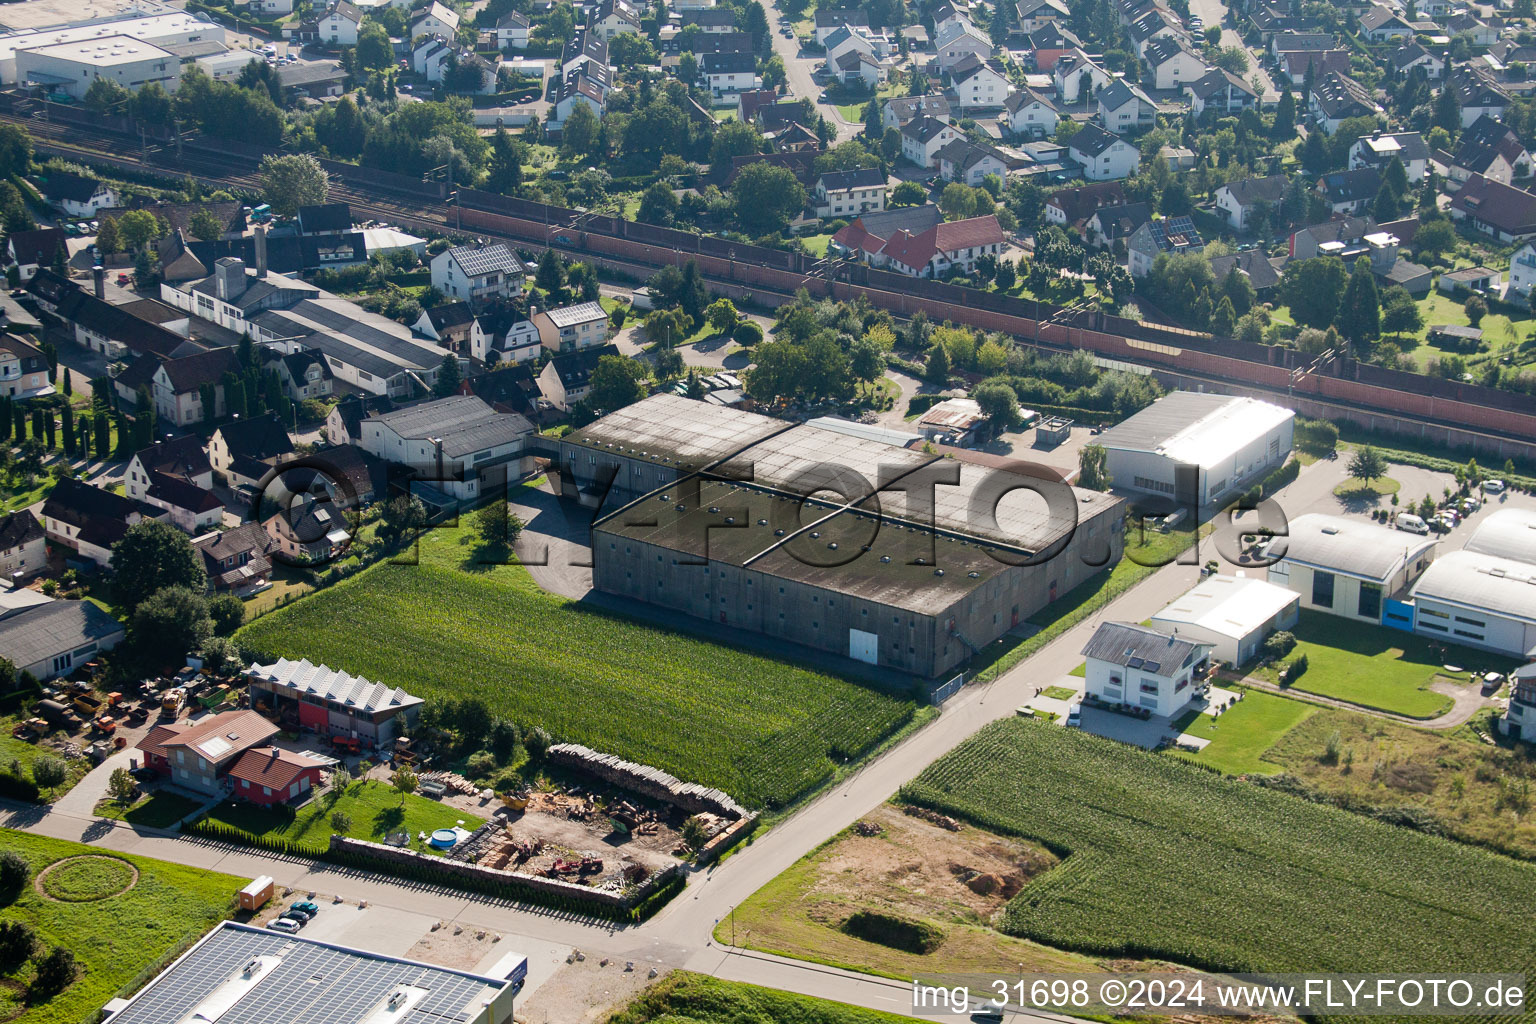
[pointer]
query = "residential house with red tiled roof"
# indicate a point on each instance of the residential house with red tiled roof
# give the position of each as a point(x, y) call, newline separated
point(944, 247)
point(197, 755)
point(271, 775)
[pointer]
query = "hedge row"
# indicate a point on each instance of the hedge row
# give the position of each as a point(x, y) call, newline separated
point(14, 787)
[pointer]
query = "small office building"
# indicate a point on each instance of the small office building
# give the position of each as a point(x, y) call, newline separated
point(1485, 595)
point(1351, 567)
point(1196, 448)
point(1233, 614)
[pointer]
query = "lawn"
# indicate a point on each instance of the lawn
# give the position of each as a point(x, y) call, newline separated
point(1377, 667)
point(1058, 693)
point(683, 997)
point(374, 808)
point(157, 810)
point(1245, 731)
point(816, 245)
point(1378, 487)
point(13, 749)
point(1164, 860)
point(119, 940)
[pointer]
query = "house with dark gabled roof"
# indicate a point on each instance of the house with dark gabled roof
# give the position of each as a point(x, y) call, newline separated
point(24, 371)
point(1379, 149)
point(1478, 94)
point(1171, 235)
point(1296, 65)
point(1172, 61)
point(303, 374)
point(1221, 91)
point(181, 385)
point(1381, 23)
point(1125, 107)
point(829, 19)
point(1071, 207)
point(1237, 199)
point(923, 137)
point(1491, 149)
point(30, 250)
point(1033, 15)
point(1405, 58)
point(969, 163)
point(478, 274)
point(1336, 97)
point(1500, 211)
point(900, 111)
point(978, 84)
point(349, 475)
point(449, 324)
point(89, 520)
point(236, 559)
point(1110, 224)
point(1253, 264)
point(325, 219)
point(78, 196)
point(23, 546)
point(1350, 191)
point(510, 387)
point(1049, 44)
point(182, 458)
point(1103, 156)
point(346, 416)
point(1027, 112)
point(243, 451)
point(567, 378)
point(190, 508)
point(115, 331)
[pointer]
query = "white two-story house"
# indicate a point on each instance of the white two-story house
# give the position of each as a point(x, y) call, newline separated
point(477, 275)
point(1144, 668)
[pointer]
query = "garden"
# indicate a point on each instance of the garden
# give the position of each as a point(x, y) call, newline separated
point(765, 730)
point(366, 810)
point(1163, 859)
point(1241, 737)
point(119, 918)
point(1377, 667)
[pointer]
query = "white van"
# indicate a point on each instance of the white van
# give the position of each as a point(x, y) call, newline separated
point(1412, 523)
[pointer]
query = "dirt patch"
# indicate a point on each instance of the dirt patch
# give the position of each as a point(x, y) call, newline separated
point(927, 870)
point(583, 992)
point(66, 881)
point(457, 946)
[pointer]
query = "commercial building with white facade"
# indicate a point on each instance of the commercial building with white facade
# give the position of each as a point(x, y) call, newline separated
point(1234, 614)
point(1351, 567)
point(152, 23)
point(1485, 595)
point(1197, 448)
point(70, 68)
point(1143, 667)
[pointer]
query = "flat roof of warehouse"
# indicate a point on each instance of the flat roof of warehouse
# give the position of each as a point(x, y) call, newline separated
point(820, 545)
point(1195, 428)
point(237, 974)
point(670, 429)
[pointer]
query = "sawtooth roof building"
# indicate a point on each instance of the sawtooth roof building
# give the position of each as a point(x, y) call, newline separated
point(820, 537)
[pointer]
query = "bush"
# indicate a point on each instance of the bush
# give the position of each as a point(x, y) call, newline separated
point(1316, 437)
point(14, 872)
point(537, 742)
point(747, 333)
point(480, 764)
point(54, 974)
point(1278, 645)
point(15, 787)
point(894, 931)
point(1294, 669)
point(17, 942)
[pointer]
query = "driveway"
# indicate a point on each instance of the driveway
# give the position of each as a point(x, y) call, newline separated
point(800, 74)
point(1214, 12)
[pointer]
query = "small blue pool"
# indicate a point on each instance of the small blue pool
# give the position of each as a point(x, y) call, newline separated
point(443, 838)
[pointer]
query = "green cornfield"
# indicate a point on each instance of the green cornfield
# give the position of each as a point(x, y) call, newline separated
point(1163, 859)
point(766, 731)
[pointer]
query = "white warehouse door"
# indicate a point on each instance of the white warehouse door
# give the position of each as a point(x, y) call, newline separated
point(864, 646)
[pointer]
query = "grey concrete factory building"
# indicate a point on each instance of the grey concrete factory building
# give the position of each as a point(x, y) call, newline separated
point(898, 558)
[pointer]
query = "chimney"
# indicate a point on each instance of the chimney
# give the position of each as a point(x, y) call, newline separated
point(261, 252)
point(229, 278)
point(99, 275)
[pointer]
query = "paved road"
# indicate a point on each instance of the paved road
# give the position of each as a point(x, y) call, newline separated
point(799, 72)
point(681, 934)
point(1214, 12)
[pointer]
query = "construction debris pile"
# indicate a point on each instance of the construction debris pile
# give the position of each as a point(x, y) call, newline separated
point(648, 781)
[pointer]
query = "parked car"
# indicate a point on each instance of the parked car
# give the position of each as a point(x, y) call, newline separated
point(1493, 486)
point(1075, 717)
point(1411, 523)
point(307, 907)
point(284, 924)
point(296, 916)
point(987, 1017)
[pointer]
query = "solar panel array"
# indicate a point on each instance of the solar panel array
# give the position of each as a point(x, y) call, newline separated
point(314, 984)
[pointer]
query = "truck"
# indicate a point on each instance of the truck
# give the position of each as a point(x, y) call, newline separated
point(170, 703)
point(256, 893)
point(56, 714)
point(262, 213)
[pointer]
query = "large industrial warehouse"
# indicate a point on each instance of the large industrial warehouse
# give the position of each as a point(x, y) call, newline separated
point(1197, 449)
point(818, 537)
point(1485, 594)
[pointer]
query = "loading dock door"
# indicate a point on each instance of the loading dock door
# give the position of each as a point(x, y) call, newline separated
point(864, 646)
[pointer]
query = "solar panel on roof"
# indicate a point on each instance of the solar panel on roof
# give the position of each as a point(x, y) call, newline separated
point(1134, 663)
point(1151, 666)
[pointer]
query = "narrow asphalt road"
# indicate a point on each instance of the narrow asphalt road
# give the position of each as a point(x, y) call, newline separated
point(799, 71)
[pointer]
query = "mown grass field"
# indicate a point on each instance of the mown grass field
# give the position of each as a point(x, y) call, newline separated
point(683, 997)
point(766, 731)
point(118, 940)
point(1377, 667)
point(375, 810)
point(1242, 736)
point(1162, 859)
